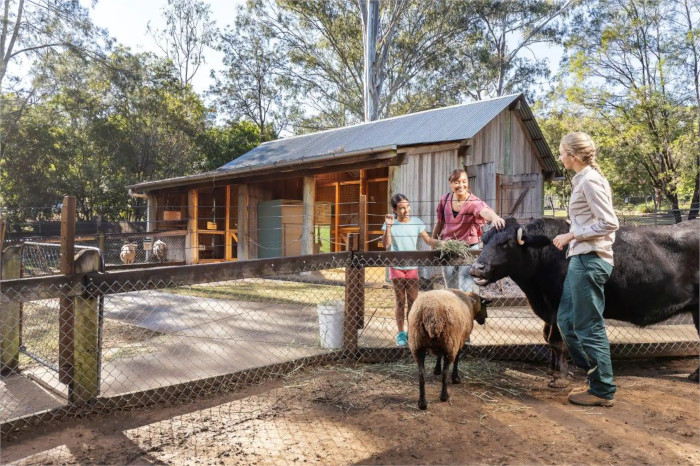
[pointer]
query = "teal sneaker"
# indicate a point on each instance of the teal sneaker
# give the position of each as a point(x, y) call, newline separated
point(402, 339)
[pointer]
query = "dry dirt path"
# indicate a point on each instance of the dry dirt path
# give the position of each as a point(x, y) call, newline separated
point(366, 414)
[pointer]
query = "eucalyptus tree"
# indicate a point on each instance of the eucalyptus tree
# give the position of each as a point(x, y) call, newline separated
point(254, 84)
point(624, 59)
point(32, 29)
point(102, 126)
point(494, 55)
point(688, 57)
point(189, 30)
point(323, 44)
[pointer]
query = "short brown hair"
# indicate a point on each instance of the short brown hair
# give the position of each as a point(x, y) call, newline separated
point(456, 173)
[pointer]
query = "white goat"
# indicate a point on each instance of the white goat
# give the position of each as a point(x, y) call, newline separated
point(128, 253)
point(442, 321)
point(160, 250)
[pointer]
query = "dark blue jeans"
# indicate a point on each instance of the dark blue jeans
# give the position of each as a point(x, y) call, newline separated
point(581, 323)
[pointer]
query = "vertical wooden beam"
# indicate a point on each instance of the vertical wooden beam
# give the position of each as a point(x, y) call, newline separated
point(84, 385)
point(359, 304)
point(67, 261)
point(336, 219)
point(66, 303)
point(363, 181)
point(10, 313)
point(243, 225)
point(151, 219)
point(100, 234)
point(2, 233)
point(354, 300)
point(394, 182)
point(362, 218)
point(151, 212)
point(498, 204)
point(307, 227)
point(507, 162)
point(192, 240)
point(227, 228)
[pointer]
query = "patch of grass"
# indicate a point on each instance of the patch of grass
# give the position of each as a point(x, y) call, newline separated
point(40, 335)
point(284, 292)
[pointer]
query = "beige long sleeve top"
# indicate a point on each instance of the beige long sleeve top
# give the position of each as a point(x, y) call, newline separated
point(593, 220)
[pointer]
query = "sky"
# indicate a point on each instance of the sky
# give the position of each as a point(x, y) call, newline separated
point(126, 21)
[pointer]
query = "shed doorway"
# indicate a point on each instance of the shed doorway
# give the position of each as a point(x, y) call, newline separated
point(337, 208)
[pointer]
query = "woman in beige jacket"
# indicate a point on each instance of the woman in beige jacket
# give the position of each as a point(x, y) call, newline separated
point(590, 240)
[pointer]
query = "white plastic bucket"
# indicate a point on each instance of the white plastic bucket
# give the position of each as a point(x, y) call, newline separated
point(330, 324)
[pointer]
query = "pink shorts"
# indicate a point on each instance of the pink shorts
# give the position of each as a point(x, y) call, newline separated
point(406, 274)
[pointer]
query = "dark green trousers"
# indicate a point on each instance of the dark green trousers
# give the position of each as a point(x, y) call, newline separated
point(581, 323)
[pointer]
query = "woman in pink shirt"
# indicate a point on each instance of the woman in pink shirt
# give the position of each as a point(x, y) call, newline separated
point(460, 216)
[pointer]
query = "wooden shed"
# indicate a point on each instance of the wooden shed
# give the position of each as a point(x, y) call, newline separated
point(301, 194)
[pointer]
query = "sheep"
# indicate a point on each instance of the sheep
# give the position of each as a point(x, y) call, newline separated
point(128, 253)
point(160, 250)
point(441, 321)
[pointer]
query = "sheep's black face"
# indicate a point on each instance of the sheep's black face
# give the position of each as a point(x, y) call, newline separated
point(482, 314)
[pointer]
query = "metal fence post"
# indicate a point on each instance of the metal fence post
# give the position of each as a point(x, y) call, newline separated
point(85, 383)
point(10, 313)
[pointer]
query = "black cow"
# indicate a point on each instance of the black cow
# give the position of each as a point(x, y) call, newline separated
point(655, 275)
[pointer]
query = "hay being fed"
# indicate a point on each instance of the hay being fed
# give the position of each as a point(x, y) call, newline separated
point(454, 248)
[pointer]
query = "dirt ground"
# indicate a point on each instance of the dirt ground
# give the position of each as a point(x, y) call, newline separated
point(366, 414)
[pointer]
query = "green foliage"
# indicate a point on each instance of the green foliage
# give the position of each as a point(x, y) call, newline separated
point(222, 145)
point(189, 30)
point(627, 85)
point(100, 127)
point(254, 85)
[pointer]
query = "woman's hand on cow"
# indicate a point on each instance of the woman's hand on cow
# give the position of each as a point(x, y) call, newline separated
point(562, 240)
point(498, 222)
point(389, 219)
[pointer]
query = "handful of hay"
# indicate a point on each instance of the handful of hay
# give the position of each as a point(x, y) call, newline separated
point(455, 248)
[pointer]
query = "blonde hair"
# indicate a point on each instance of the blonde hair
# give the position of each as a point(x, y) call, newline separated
point(580, 146)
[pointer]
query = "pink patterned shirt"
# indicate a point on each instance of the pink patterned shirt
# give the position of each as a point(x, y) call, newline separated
point(466, 226)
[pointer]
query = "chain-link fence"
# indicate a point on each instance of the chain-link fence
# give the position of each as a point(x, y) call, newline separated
point(100, 341)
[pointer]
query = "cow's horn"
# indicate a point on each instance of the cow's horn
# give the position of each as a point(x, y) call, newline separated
point(520, 237)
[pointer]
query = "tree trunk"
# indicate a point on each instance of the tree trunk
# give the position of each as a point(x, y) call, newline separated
point(674, 207)
point(695, 201)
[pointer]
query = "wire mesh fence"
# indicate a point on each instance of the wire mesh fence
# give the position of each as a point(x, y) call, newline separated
point(138, 337)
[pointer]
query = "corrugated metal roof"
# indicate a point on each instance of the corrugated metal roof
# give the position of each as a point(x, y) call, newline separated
point(445, 124)
point(431, 126)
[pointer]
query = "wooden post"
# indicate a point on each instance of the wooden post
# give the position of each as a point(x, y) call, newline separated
point(337, 243)
point(363, 222)
point(227, 227)
point(394, 183)
point(307, 226)
point(354, 299)
point(100, 235)
point(85, 381)
point(65, 312)
point(10, 313)
point(243, 224)
point(192, 241)
point(151, 220)
point(2, 233)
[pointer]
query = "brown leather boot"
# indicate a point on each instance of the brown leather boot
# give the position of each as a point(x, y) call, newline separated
point(589, 399)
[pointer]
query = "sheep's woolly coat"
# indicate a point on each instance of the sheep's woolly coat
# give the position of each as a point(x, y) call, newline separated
point(160, 249)
point(128, 253)
point(442, 321)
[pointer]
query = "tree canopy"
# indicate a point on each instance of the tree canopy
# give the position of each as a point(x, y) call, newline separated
point(91, 117)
